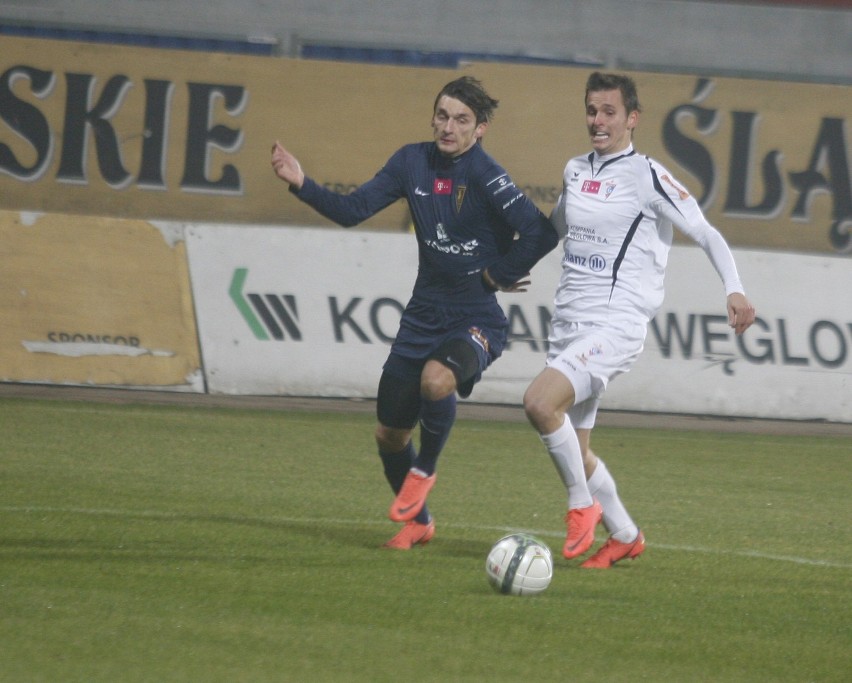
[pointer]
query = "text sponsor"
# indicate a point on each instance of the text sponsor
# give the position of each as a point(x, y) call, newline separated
point(89, 108)
point(89, 338)
point(827, 172)
point(823, 343)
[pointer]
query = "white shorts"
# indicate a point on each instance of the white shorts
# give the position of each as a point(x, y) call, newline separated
point(590, 355)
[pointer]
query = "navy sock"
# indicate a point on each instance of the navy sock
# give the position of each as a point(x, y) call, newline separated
point(397, 464)
point(423, 516)
point(436, 421)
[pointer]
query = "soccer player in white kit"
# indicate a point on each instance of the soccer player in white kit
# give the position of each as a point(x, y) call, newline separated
point(615, 213)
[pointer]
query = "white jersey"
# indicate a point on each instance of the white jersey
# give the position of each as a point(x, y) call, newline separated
point(616, 215)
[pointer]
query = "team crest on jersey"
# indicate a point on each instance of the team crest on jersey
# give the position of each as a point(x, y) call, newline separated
point(610, 188)
point(683, 194)
point(460, 190)
point(479, 337)
point(591, 186)
point(443, 186)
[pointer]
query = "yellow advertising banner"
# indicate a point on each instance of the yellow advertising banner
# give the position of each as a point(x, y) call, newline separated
point(182, 135)
point(103, 301)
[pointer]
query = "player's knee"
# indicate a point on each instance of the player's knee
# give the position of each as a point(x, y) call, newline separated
point(437, 381)
point(539, 411)
point(391, 439)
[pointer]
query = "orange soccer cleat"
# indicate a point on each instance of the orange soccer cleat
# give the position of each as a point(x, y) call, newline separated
point(612, 551)
point(411, 497)
point(412, 534)
point(581, 524)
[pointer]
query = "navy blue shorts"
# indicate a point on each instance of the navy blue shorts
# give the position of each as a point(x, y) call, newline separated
point(476, 336)
point(425, 327)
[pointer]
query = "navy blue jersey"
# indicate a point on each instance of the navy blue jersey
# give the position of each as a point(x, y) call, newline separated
point(467, 213)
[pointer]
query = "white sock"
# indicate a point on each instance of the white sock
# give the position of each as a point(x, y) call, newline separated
point(615, 518)
point(564, 449)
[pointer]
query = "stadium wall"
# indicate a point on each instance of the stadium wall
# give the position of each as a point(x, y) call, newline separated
point(312, 312)
point(95, 301)
point(179, 135)
point(118, 164)
point(802, 40)
point(301, 311)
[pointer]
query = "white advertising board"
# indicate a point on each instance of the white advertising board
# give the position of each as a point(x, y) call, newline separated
point(312, 312)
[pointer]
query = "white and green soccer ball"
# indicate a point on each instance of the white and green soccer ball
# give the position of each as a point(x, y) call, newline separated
point(519, 564)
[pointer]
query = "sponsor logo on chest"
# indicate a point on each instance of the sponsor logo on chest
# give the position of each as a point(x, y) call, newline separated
point(443, 186)
point(591, 186)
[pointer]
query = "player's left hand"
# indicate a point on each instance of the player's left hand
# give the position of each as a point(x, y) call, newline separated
point(740, 312)
point(519, 286)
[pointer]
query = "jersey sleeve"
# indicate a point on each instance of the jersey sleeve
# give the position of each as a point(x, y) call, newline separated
point(535, 236)
point(668, 198)
point(557, 216)
point(363, 202)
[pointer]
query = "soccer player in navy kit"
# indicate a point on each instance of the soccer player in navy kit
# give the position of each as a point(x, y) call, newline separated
point(616, 213)
point(477, 233)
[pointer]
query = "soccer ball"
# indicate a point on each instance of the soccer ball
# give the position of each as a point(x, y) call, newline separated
point(519, 564)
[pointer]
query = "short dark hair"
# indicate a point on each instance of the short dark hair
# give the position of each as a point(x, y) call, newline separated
point(600, 81)
point(470, 92)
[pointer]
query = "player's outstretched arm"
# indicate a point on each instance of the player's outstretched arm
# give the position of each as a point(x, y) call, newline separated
point(740, 312)
point(286, 166)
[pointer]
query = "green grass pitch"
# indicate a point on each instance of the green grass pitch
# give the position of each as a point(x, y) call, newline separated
point(177, 543)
